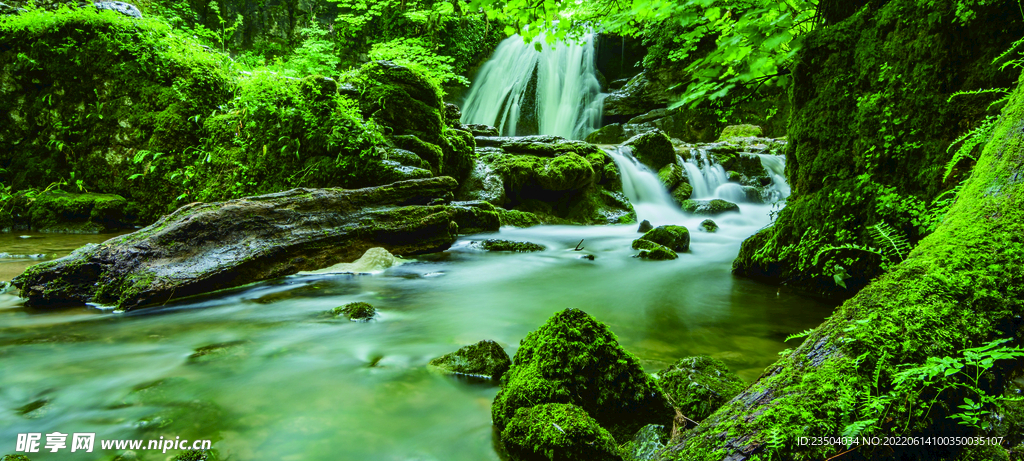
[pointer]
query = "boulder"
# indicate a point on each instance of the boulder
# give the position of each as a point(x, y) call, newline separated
point(675, 238)
point(88, 213)
point(557, 431)
point(671, 175)
point(653, 251)
point(645, 226)
point(740, 131)
point(698, 385)
point(474, 217)
point(653, 149)
point(126, 9)
point(708, 226)
point(647, 445)
point(708, 207)
point(538, 145)
point(682, 192)
point(608, 134)
point(356, 312)
point(204, 247)
point(510, 245)
point(483, 184)
point(480, 130)
point(577, 360)
point(485, 359)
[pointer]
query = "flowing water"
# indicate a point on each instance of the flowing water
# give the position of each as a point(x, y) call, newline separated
point(264, 374)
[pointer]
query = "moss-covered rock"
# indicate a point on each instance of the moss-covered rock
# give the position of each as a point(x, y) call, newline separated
point(557, 431)
point(485, 359)
point(510, 245)
point(675, 238)
point(86, 213)
point(671, 175)
point(645, 226)
point(698, 385)
point(575, 359)
point(608, 134)
point(653, 251)
point(740, 131)
point(711, 207)
point(682, 192)
point(15, 458)
point(356, 312)
point(708, 226)
point(653, 149)
point(647, 444)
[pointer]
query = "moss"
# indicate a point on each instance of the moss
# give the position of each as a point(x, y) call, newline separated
point(510, 245)
point(698, 385)
point(575, 359)
point(675, 238)
point(712, 207)
point(653, 251)
point(57, 211)
point(708, 226)
point(196, 455)
point(15, 458)
point(557, 432)
point(518, 218)
point(682, 192)
point(356, 312)
point(484, 359)
point(739, 131)
point(670, 175)
point(608, 134)
point(653, 149)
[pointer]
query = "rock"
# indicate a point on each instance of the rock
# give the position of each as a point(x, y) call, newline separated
point(481, 130)
point(682, 192)
point(483, 184)
point(485, 359)
point(126, 9)
point(675, 238)
point(575, 359)
point(204, 247)
point(653, 149)
point(635, 98)
point(587, 257)
point(218, 351)
point(563, 173)
point(646, 445)
point(557, 431)
point(18, 457)
point(745, 163)
point(8, 9)
point(709, 226)
point(474, 217)
point(517, 218)
point(195, 455)
point(698, 385)
point(452, 114)
point(356, 312)
point(510, 245)
point(538, 145)
point(89, 213)
point(645, 226)
point(653, 251)
point(608, 134)
point(740, 131)
point(671, 175)
point(709, 207)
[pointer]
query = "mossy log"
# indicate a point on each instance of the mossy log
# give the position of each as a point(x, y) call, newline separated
point(961, 287)
point(204, 247)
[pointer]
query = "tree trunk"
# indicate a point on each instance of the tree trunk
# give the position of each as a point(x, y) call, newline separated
point(960, 288)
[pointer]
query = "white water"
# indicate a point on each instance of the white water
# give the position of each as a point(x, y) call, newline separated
point(566, 99)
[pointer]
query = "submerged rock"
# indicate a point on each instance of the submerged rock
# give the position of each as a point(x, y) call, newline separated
point(709, 207)
point(225, 350)
point(356, 312)
point(709, 226)
point(575, 359)
point(204, 247)
point(485, 359)
point(557, 431)
point(675, 238)
point(698, 385)
point(510, 245)
point(375, 259)
point(653, 251)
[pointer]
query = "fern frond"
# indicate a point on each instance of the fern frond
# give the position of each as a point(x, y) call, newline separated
point(846, 246)
point(1006, 53)
point(894, 243)
point(968, 141)
point(977, 92)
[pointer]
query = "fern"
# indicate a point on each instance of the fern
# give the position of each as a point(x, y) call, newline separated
point(968, 141)
point(894, 243)
point(846, 246)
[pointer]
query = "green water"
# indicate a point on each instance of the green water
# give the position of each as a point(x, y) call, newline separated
point(285, 383)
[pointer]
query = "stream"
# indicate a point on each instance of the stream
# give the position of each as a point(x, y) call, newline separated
point(264, 374)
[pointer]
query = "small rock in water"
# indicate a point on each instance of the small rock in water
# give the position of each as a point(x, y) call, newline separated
point(709, 207)
point(510, 245)
point(709, 226)
point(373, 260)
point(645, 226)
point(485, 359)
point(589, 257)
point(356, 312)
point(675, 238)
point(656, 252)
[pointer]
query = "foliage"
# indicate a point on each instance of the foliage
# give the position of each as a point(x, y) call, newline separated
point(418, 54)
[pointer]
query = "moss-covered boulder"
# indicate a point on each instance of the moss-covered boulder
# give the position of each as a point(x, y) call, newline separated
point(510, 245)
point(675, 238)
point(356, 312)
point(671, 175)
point(645, 226)
point(698, 385)
point(711, 207)
point(653, 149)
point(682, 192)
point(608, 134)
point(709, 226)
point(577, 360)
point(485, 359)
point(86, 213)
point(653, 251)
point(740, 131)
point(557, 431)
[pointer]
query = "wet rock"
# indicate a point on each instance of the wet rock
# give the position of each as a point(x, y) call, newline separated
point(204, 247)
point(8, 9)
point(608, 134)
point(708, 226)
point(126, 9)
point(510, 245)
point(671, 175)
point(575, 359)
point(740, 131)
point(452, 114)
point(475, 217)
point(539, 145)
point(682, 192)
point(698, 385)
point(485, 359)
point(356, 312)
point(653, 149)
point(709, 207)
point(653, 251)
point(646, 445)
point(196, 455)
point(675, 238)
point(557, 431)
point(645, 226)
point(89, 213)
point(15, 457)
point(214, 352)
point(483, 184)
point(587, 257)
point(481, 130)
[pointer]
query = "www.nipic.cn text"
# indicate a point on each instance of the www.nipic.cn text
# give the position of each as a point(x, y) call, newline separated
point(85, 442)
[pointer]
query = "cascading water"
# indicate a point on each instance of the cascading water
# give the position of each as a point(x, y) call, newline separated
point(556, 87)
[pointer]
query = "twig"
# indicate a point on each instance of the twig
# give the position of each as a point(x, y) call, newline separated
point(578, 247)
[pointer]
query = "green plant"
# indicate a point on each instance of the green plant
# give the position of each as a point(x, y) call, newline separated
point(421, 56)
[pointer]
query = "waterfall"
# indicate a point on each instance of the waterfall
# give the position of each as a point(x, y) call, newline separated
point(555, 88)
point(639, 183)
point(776, 166)
point(708, 178)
